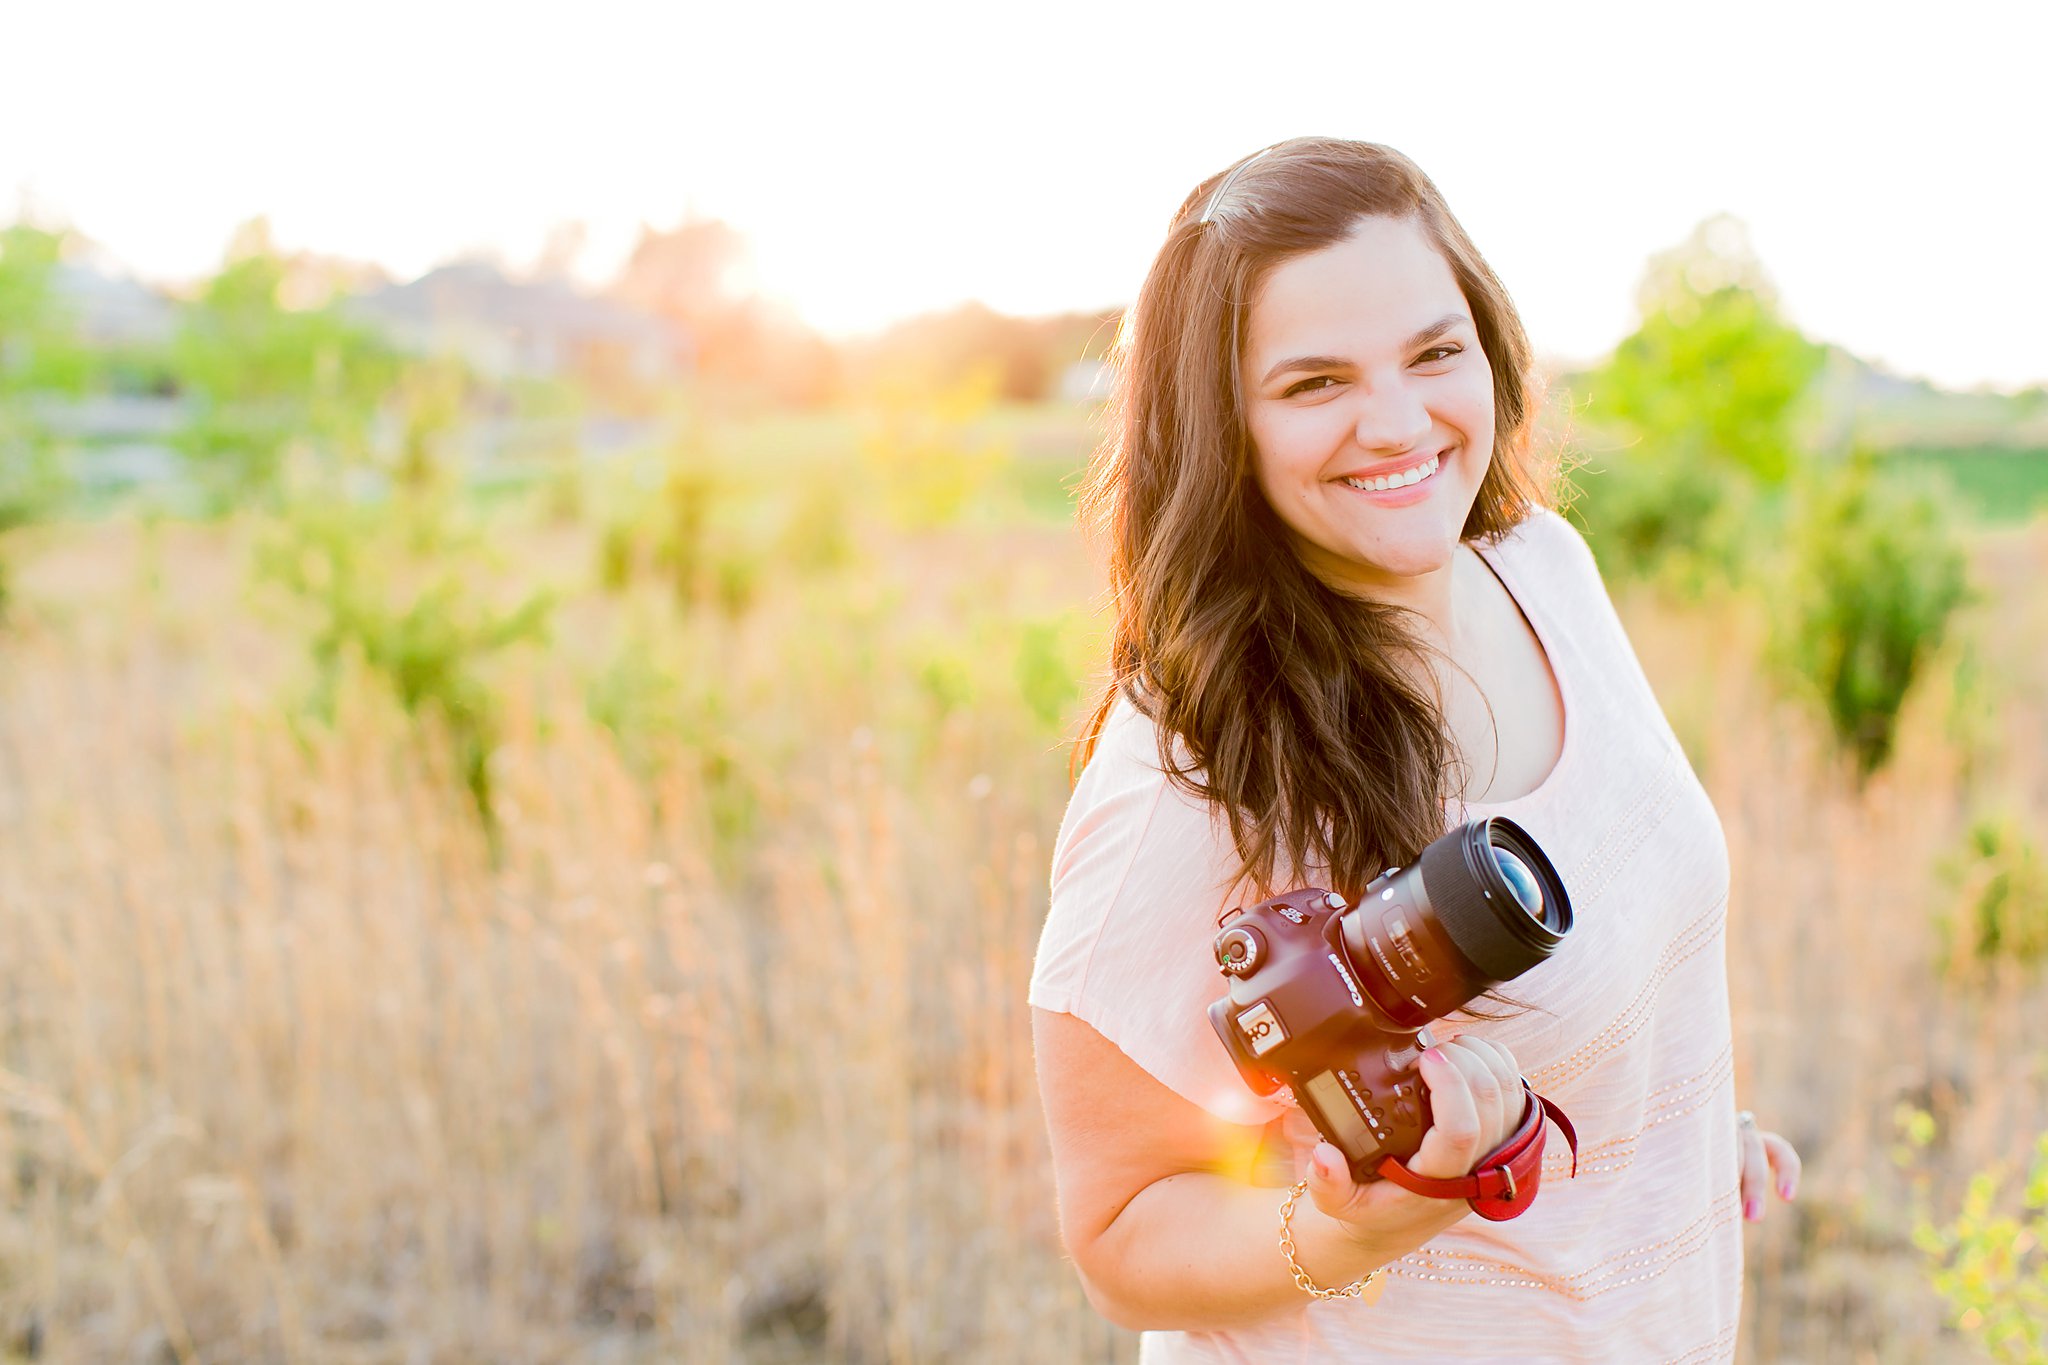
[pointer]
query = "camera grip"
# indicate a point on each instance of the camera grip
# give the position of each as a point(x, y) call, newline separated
point(1504, 1182)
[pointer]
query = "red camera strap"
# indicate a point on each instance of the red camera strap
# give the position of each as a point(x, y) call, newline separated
point(1503, 1184)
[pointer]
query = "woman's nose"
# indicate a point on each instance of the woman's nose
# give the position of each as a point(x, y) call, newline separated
point(1392, 418)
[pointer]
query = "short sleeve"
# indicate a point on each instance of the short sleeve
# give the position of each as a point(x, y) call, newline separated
point(1140, 873)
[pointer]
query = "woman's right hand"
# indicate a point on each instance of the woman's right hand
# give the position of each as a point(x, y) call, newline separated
point(1476, 1101)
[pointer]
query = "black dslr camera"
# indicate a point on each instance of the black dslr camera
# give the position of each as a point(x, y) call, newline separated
point(1333, 1001)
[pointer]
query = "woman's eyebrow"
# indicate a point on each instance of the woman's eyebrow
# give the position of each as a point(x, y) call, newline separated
point(1306, 362)
point(1449, 322)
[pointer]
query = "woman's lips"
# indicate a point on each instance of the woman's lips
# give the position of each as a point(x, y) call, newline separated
point(1407, 485)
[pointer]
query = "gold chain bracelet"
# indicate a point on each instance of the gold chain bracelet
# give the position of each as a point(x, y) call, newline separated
point(1301, 1277)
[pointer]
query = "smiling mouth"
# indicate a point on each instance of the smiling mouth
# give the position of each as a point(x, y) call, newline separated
point(1412, 475)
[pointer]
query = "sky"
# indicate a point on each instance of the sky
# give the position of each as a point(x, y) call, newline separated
point(887, 159)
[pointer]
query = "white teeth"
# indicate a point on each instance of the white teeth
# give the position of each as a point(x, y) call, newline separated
point(1402, 480)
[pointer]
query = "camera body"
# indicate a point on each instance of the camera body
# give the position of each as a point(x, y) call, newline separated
point(1334, 1001)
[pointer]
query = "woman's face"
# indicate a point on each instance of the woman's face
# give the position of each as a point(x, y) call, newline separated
point(1370, 406)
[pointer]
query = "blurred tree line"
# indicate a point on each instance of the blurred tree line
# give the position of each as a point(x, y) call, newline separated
point(273, 359)
point(695, 276)
point(1705, 465)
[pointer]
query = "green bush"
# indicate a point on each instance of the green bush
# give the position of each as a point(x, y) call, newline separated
point(2000, 905)
point(1050, 667)
point(925, 454)
point(696, 536)
point(668, 713)
point(1685, 521)
point(31, 487)
point(1877, 571)
point(1705, 397)
point(1990, 1260)
point(818, 537)
point(394, 588)
point(265, 379)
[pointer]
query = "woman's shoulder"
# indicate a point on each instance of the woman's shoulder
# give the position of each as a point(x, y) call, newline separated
point(1140, 873)
point(1550, 564)
point(1125, 796)
point(1545, 537)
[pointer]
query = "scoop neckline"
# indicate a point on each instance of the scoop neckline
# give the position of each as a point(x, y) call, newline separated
point(1567, 700)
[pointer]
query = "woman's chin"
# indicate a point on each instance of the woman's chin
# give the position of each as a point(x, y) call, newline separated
point(1387, 571)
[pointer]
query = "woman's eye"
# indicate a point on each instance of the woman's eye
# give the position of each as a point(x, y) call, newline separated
point(1437, 354)
point(1321, 381)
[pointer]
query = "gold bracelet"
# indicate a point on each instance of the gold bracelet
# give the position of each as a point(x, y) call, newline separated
point(1301, 1277)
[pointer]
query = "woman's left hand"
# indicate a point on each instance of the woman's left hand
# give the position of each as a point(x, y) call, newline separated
point(1768, 1161)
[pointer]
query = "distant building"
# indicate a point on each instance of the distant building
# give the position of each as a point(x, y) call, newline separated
point(113, 310)
point(506, 328)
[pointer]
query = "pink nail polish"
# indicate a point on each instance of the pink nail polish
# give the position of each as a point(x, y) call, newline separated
point(1753, 1210)
point(1785, 1189)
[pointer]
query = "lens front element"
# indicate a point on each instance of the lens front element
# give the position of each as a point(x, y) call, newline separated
point(1496, 896)
point(1521, 881)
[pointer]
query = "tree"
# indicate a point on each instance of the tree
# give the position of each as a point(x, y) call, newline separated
point(1877, 573)
point(699, 276)
point(263, 375)
point(40, 354)
point(693, 274)
point(1705, 395)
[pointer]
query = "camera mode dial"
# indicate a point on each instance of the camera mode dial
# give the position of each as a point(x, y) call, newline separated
point(1238, 950)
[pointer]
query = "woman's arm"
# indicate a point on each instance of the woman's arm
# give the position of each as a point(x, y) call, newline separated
point(1157, 1210)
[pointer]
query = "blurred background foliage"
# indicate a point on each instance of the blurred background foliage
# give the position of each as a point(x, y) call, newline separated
point(701, 686)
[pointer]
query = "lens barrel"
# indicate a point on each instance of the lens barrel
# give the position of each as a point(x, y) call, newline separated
point(1478, 907)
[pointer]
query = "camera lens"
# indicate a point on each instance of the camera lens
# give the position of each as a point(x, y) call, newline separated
point(1496, 896)
point(1521, 881)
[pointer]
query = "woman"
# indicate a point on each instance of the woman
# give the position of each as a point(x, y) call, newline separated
point(1345, 622)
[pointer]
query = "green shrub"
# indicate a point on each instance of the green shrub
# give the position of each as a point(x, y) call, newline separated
point(2000, 905)
point(1877, 572)
point(1990, 1260)
point(693, 536)
point(395, 589)
point(818, 537)
point(1684, 521)
point(1706, 395)
point(265, 379)
point(925, 456)
point(31, 487)
point(1049, 671)
point(667, 713)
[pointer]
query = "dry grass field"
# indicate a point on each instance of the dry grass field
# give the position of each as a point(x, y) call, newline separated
point(716, 1049)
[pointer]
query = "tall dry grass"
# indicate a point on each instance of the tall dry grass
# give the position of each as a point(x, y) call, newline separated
point(292, 1069)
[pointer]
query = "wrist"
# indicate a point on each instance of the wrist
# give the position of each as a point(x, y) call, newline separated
point(1335, 1251)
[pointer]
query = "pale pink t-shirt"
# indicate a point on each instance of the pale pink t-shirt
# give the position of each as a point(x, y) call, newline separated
point(1638, 1259)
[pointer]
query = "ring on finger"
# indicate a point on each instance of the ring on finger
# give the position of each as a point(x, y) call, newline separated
point(1746, 1121)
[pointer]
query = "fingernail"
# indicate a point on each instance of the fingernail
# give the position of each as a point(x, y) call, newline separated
point(1753, 1210)
point(1321, 1161)
point(1785, 1189)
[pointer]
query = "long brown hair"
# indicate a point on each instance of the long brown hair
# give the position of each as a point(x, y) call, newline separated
point(1278, 698)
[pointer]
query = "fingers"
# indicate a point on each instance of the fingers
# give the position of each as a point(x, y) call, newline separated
point(1452, 1143)
point(1475, 1099)
point(1756, 1172)
point(1330, 1184)
point(1506, 1081)
point(1784, 1162)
